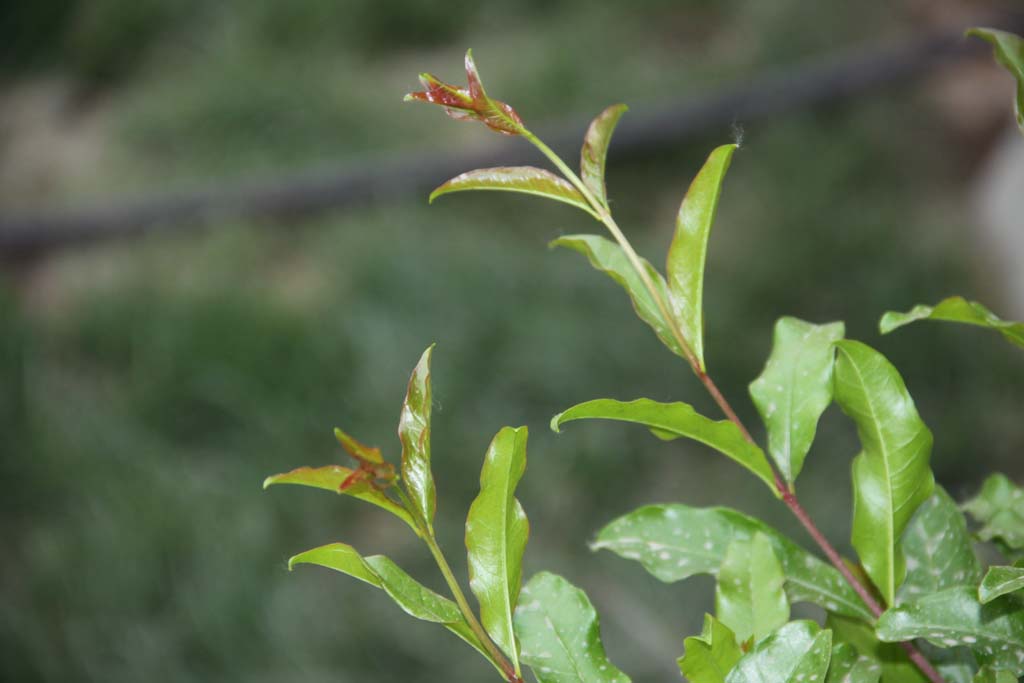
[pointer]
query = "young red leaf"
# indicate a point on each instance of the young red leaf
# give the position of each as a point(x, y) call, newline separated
point(333, 478)
point(357, 450)
point(373, 471)
point(470, 103)
point(595, 150)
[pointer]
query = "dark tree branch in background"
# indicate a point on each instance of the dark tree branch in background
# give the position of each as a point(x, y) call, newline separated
point(645, 130)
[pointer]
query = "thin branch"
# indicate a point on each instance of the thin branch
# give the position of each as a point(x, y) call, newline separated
point(790, 499)
point(508, 671)
point(785, 492)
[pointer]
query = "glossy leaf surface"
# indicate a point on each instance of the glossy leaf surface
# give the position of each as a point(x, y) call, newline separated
point(954, 664)
point(1009, 51)
point(709, 657)
point(688, 251)
point(331, 478)
point(849, 666)
point(959, 310)
point(896, 666)
point(795, 388)
point(674, 542)
point(595, 150)
point(955, 617)
point(797, 653)
point(749, 595)
point(891, 476)
point(990, 675)
point(608, 257)
point(675, 420)
point(937, 549)
point(496, 533)
point(414, 433)
point(560, 634)
point(413, 597)
point(469, 103)
point(525, 179)
point(1001, 580)
point(1000, 509)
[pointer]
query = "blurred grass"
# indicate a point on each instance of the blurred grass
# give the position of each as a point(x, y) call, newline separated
point(149, 387)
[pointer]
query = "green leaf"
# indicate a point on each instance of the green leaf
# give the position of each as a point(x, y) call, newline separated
point(675, 420)
point(709, 657)
point(1001, 580)
point(891, 477)
point(413, 597)
point(1000, 509)
point(525, 179)
point(1009, 51)
point(496, 533)
point(608, 257)
point(937, 549)
point(595, 150)
point(674, 542)
point(849, 666)
point(688, 251)
point(955, 617)
point(796, 653)
point(958, 310)
point(896, 666)
point(560, 635)
point(414, 432)
point(330, 478)
point(795, 388)
point(990, 675)
point(749, 595)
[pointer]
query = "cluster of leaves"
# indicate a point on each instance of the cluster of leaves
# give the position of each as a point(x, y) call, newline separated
point(918, 592)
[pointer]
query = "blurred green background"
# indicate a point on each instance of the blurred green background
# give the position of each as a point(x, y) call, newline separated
point(149, 386)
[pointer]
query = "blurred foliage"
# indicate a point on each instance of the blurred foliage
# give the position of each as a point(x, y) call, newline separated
point(148, 388)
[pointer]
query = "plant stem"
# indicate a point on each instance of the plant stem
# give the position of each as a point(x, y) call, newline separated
point(789, 498)
point(605, 217)
point(510, 672)
point(507, 668)
point(783, 491)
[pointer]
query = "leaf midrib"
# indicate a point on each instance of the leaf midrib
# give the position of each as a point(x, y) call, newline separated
point(890, 518)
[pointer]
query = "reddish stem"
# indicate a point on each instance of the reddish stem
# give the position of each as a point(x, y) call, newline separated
point(790, 499)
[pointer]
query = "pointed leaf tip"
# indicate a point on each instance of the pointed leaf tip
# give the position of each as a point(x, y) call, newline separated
point(709, 657)
point(959, 310)
point(688, 252)
point(496, 535)
point(555, 423)
point(1009, 51)
point(675, 420)
point(333, 478)
point(891, 475)
point(414, 433)
point(471, 102)
point(795, 388)
point(594, 153)
point(560, 634)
